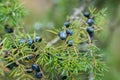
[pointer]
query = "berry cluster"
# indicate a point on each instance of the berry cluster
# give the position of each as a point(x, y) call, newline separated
point(90, 28)
point(8, 29)
point(64, 34)
point(30, 43)
point(36, 68)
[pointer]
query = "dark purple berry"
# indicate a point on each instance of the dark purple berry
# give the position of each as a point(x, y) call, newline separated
point(62, 35)
point(8, 29)
point(69, 31)
point(70, 42)
point(38, 39)
point(30, 42)
point(87, 14)
point(67, 24)
point(35, 67)
point(22, 41)
point(38, 75)
point(90, 31)
point(90, 22)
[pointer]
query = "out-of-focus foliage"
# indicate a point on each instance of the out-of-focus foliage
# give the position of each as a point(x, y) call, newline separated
point(11, 12)
point(62, 9)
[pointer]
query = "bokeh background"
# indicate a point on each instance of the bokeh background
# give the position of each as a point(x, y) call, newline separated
point(51, 14)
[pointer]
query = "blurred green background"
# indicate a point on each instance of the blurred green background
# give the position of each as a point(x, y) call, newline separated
point(51, 14)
